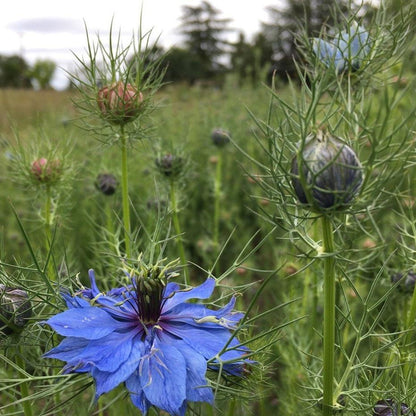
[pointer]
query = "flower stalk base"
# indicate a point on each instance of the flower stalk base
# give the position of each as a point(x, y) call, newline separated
point(329, 316)
point(125, 194)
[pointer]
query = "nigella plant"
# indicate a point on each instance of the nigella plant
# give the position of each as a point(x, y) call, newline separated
point(347, 51)
point(45, 168)
point(335, 154)
point(173, 167)
point(116, 99)
point(149, 337)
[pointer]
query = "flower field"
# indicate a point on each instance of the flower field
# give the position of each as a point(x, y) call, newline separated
point(167, 249)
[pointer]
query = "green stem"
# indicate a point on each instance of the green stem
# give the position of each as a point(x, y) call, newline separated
point(409, 326)
point(48, 232)
point(109, 219)
point(177, 227)
point(329, 316)
point(311, 286)
point(125, 193)
point(217, 200)
point(411, 317)
point(210, 410)
point(231, 408)
point(24, 390)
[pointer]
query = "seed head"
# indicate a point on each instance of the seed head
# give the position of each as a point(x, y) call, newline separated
point(390, 408)
point(106, 183)
point(220, 137)
point(170, 165)
point(406, 281)
point(326, 173)
point(15, 309)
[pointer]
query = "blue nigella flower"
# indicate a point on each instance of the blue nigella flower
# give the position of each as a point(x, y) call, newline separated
point(148, 337)
point(346, 51)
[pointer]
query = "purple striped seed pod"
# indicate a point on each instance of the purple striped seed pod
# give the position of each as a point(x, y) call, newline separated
point(326, 173)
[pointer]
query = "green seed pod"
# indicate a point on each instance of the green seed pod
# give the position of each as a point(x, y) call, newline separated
point(390, 408)
point(330, 175)
point(220, 137)
point(106, 183)
point(15, 309)
point(407, 281)
point(170, 165)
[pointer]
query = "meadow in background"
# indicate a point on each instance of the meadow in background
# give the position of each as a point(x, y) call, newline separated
point(228, 211)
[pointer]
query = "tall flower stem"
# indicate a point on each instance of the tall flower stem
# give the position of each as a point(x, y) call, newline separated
point(177, 227)
point(48, 231)
point(24, 390)
point(409, 326)
point(329, 315)
point(125, 193)
point(217, 200)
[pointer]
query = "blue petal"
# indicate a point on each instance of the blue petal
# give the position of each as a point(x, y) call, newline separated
point(208, 341)
point(196, 368)
point(330, 54)
point(197, 314)
point(88, 323)
point(74, 301)
point(68, 350)
point(203, 291)
point(119, 307)
point(110, 352)
point(94, 287)
point(163, 378)
point(106, 381)
point(137, 395)
point(170, 288)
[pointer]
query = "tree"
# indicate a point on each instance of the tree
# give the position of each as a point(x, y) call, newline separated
point(204, 32)
point(249, 60)
point(14, 72)
point(183, 65)
point(42, 72)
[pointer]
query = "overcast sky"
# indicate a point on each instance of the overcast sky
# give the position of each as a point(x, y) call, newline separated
point(51, 29)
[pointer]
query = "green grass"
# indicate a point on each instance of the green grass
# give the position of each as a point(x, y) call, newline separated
point(252, 245)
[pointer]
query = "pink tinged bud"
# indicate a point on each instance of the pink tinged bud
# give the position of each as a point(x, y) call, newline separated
point(46, 171)
point(119, 103)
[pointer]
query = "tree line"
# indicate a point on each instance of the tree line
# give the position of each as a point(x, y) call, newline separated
point(15, 72)
point(207, 56)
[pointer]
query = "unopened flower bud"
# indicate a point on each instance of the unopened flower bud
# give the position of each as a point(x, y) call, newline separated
point(119, 103)
point(46, 171)
point(106, 183)
point(213, 160)
point(220, 137)
point(330, 175)
point(15, 309)
point(170, 165)
point(390, 408)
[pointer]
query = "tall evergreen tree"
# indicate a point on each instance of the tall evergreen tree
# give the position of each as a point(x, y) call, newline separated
point(204, 31)
point(248, 60)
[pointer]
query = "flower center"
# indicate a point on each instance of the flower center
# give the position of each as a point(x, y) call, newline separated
point(149, 286)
